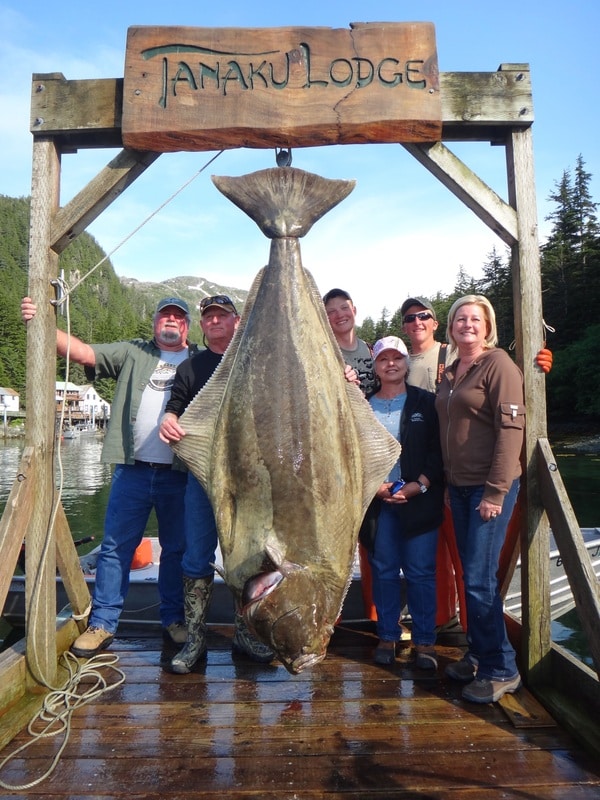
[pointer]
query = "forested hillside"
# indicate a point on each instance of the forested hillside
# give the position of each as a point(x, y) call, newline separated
point(104, 308)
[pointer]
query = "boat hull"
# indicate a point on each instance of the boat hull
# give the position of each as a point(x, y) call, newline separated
point(141, 609)
point(561, 596)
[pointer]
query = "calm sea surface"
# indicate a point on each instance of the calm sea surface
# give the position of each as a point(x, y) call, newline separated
point(85, 485)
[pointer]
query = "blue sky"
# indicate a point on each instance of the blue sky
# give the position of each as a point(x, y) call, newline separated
point(400, 232)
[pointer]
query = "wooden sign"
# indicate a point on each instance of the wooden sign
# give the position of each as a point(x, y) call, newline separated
point(214, 88)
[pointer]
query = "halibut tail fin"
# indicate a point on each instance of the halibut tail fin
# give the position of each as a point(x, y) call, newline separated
point(284, 201)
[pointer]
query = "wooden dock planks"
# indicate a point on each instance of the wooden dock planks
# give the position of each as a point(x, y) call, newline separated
point(347, 728)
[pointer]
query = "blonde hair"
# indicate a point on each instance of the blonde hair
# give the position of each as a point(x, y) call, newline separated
point(491, 338)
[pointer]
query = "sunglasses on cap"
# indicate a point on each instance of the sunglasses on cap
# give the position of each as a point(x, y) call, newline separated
point(420, 315)
point(216, 300)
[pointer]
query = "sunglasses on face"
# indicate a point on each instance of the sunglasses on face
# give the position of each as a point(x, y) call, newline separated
point(421, 315)
point(218, 300)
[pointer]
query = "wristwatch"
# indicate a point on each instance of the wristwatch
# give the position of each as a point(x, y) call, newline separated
point(422, 487)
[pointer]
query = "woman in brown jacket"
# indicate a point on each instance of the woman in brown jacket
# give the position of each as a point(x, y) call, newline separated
point(482, 417)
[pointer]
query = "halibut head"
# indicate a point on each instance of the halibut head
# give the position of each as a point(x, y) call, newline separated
point(289, 452)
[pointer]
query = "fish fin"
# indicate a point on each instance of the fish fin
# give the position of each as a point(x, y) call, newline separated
point(219, 570)
point(199, 420)
point(283, 201)
point(380, 450)
point(314, 290)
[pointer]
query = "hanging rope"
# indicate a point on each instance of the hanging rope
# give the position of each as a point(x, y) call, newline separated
point(67, 290)
point(31, 653)
point(544, 358)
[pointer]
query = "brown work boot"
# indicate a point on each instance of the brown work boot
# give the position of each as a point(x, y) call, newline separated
point(91, 642)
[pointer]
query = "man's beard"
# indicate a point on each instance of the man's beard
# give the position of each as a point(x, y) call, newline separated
point(169, 336)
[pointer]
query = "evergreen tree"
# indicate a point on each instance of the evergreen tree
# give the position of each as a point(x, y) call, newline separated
point(588, 240)
point(560, 259)
point(366, 331)
point(574, 383)
point(496, 285)
point(382, 326)
point(395, 325)
point(585, 210)
point(465, 284)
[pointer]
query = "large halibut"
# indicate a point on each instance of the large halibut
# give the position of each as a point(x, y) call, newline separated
point(289, 452)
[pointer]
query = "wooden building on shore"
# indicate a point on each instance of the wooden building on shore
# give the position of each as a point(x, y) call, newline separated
point(347, 728)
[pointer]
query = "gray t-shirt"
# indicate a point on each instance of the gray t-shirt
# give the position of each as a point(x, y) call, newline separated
point(361, 361)
point(147, 445)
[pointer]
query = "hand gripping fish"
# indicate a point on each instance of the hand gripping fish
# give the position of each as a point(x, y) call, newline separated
point(289, 453)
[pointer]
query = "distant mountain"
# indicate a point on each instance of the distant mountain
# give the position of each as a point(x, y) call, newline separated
point(191, 289)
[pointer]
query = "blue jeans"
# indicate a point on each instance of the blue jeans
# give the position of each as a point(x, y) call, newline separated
point(479, 544)
point(416, 557)
point(200, 532)
point(136, 490)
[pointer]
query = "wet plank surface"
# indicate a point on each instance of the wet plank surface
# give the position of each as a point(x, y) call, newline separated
point(346, 729)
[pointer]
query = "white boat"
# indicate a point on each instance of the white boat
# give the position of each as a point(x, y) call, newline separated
point(75, 431)
point(87, 429)
point(561, 596)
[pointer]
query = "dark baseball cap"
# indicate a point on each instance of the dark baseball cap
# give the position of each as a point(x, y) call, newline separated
point(173, 301)
point(336, 293)
point(417, 301)
point(218, 301)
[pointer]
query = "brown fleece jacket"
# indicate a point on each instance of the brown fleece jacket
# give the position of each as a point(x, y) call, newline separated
point(482, 422)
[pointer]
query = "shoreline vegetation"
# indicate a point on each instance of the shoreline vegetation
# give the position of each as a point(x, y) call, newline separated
point(575, 438)
point(590, 447)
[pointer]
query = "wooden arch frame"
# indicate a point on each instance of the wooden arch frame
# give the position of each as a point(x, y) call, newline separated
point(67, 116)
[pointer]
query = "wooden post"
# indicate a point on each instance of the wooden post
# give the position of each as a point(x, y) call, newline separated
point(40, 585)
point(527, 301)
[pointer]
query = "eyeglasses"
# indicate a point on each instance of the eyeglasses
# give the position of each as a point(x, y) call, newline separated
point(421, 315)
point(216, 300)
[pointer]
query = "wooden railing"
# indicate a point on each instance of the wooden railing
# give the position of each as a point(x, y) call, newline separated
point(23, 677)
point(575, 557)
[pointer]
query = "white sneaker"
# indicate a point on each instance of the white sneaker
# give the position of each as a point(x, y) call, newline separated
point(177, 632)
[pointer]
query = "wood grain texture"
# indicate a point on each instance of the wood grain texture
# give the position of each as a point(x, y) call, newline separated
point(208, 88)
point(346, 729)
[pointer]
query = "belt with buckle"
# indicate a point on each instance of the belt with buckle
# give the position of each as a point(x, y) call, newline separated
point(153, 464)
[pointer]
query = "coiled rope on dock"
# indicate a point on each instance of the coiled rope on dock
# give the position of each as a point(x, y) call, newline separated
point(59, 705)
